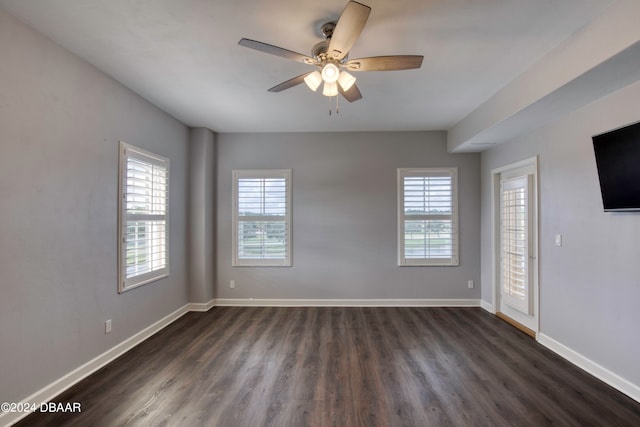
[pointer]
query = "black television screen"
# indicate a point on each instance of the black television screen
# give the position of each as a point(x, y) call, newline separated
point(618, 160)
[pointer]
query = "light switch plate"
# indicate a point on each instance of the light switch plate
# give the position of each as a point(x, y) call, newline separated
point(558, 239)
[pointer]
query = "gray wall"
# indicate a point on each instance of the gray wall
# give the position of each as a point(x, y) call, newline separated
point(589, 287)
point(344, 216)
point(60, 123)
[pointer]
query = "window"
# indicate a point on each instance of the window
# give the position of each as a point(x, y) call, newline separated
point(428, 216)
point(143, 246)
point(262, 217)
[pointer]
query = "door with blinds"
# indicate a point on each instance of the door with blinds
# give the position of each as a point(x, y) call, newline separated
point(515, 241)
point(517, 248)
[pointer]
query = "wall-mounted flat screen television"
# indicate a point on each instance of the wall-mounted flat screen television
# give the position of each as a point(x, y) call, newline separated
point(618, 160)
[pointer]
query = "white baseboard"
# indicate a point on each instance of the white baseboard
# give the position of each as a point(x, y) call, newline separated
point(614, 380)
point(486, 306)
point(249, 302)
point(52, 390)
point(198, 306)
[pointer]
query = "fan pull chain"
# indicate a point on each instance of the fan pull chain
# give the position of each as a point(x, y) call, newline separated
point(331, 105)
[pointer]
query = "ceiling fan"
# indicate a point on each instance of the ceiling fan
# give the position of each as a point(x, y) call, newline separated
point(331, 56)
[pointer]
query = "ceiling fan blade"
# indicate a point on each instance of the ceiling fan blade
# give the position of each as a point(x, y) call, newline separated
point(348, 29)
point(289, 83)
point(385, 63)
point(351, 95)
point(277, 51)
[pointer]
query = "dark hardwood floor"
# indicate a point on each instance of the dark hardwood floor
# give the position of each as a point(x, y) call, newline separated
point(266, 366)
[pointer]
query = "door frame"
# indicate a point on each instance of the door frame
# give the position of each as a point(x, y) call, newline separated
point(535, 252)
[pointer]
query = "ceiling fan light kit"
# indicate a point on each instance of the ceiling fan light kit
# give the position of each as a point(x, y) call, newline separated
point(346, 80)
point(330, 89)
point(313, 80)
point(330, 73)
point(331, 56)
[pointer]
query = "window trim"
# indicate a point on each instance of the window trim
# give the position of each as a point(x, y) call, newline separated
point(454, 260)
point(261, 174)
point(124, 283)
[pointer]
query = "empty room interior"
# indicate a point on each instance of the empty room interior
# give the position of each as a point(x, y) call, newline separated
point(308, 212)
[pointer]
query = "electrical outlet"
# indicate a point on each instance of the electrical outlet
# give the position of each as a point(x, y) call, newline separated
point(232, 284)
point(107, 326)
point(470, 284)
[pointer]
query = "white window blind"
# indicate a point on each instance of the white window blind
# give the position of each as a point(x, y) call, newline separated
point(143, 219)
point(262, 217)
point(514, 222)
point(427, 217)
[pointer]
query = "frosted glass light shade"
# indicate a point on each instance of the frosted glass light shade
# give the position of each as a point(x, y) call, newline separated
point(346, 80)
point(313, 80)
point(330, 89)
point(330, 73)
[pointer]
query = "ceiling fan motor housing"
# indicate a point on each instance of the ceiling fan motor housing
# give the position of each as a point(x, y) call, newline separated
point(327, 29)
point(320, 49)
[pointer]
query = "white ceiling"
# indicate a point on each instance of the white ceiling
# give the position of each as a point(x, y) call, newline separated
point(183, 56)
